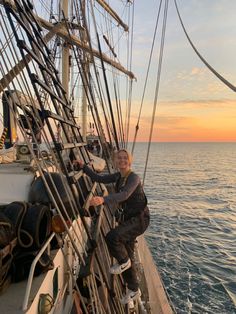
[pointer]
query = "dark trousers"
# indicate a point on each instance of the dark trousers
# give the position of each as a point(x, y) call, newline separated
point(121, 241)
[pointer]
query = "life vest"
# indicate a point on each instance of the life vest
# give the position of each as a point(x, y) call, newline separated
point(136, 202)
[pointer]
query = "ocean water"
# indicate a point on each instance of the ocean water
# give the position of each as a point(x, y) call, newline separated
point(191, 189)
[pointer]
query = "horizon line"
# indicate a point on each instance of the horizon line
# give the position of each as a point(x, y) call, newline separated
point(185, 142)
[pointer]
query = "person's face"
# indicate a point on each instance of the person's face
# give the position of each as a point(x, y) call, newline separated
point(123, 160)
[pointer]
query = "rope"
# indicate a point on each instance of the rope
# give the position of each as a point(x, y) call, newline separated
point(130, 81)
point(115, 83)
point(101, 96)
point(119, 115)
point(105, 81)
point(220, 77)
point(146, 79)
point(86, 80)
point(157, 84)
point(40, 167)
point(3, 137)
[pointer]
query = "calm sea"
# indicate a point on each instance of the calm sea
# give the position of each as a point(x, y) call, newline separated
point(191, 188)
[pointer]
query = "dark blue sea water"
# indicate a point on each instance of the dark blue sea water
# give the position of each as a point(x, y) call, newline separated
point(191, 188)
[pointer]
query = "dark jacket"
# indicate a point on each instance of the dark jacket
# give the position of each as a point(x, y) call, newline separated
point(129, 192)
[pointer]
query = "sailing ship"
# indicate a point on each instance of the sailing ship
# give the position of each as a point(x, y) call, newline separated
point(53, 257)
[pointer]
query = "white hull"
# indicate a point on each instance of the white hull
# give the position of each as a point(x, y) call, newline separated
point(57, 283)
point(15, 182)
point(15, 178)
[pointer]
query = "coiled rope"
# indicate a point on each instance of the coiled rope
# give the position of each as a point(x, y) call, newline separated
point(3, 137)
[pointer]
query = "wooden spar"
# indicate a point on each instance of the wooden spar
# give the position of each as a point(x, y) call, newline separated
point(113, 14)
point(9, 77)
point(74, 40)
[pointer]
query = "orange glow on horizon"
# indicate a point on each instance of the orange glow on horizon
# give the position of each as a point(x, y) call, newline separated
point(189, 122)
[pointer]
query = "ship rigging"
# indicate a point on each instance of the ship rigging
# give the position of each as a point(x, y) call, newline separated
point(51, 230)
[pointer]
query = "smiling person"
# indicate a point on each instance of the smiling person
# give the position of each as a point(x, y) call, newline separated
point(131, 203)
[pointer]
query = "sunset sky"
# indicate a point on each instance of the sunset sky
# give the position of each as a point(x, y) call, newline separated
point(193, 104)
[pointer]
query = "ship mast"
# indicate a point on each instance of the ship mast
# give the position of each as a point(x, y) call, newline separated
point(85, 87)
point(89, 53)
point(62, 32)
point(65, 51)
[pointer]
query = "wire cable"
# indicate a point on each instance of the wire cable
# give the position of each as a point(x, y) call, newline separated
point(157, 85)
point(220, 77)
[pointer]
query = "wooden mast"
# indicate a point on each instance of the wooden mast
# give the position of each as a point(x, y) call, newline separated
point(65, 51)
point(85, 87)
point(74, 40)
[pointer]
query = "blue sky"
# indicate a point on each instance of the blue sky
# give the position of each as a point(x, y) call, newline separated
point(193, 104)
point(188, 91)
point(210, 24)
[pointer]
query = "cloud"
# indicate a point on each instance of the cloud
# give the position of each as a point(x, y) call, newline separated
point(187, 120)
point(197, 104)
point(197, 71)
point(193, 74)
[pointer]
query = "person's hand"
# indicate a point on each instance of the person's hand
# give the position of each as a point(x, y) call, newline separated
point(96, 200)
point(78, 163)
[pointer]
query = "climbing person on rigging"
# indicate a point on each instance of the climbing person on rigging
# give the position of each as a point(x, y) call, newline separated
point(131, 204)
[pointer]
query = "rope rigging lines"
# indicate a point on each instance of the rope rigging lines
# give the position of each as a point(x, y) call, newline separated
point(219, 76)
point(157, 84)
point(214, 71)
point(39, 77)
point(105, 81)
point(146, 78)
point(157, 81)
point(129, 82)
point(115, 120)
